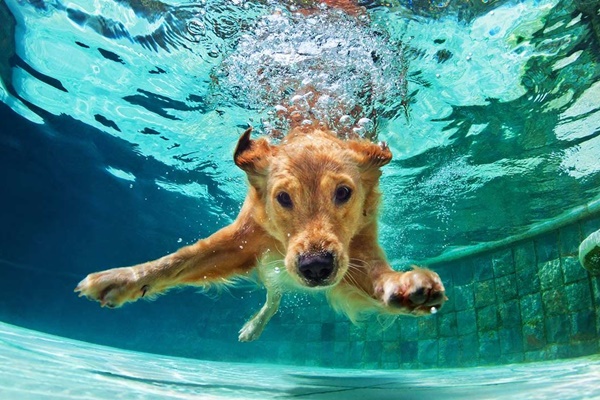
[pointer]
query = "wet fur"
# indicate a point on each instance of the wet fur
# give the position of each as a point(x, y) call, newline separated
point(310, 165)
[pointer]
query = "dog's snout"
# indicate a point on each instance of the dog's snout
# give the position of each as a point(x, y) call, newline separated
point(316, 268)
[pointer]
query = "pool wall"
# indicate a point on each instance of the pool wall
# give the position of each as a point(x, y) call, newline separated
point(527, 301)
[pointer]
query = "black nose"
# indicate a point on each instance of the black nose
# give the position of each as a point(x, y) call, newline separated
point(315, 267)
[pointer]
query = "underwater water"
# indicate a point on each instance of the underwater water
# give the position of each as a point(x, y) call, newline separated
point(118, 120)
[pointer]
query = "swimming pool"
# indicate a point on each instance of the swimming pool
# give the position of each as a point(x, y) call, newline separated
point(119, 120)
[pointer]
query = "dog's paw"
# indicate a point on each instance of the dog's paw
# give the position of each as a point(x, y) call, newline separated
point(111, 288)
point(251, 330)
point(419, 292)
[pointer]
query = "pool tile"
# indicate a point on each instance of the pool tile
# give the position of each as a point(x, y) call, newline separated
point(546, 247)
point(506, 287)
point(550, 273)
point(573, 271)
point(503, 263)
point(570, 238)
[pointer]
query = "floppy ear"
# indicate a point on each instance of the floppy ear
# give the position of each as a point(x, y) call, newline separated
point(252, 156)
point(371, 156)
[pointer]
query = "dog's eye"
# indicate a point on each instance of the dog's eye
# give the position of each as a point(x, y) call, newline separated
point(342, 194)
point(284, 199)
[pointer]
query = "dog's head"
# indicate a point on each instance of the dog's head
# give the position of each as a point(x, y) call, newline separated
point(315, 193)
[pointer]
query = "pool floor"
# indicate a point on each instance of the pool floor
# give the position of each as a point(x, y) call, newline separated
point(34, 365)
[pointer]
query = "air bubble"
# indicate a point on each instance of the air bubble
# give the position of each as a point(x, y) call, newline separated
point(287, 63)
point(366, 123)
point(346, 121)
point(359, 131)
point(300, 103)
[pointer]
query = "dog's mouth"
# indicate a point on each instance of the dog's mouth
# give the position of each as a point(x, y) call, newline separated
point(317, 269)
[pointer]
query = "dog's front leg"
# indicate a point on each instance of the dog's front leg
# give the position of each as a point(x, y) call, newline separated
point(231, 251)
point(418, 292)
point(255, 326)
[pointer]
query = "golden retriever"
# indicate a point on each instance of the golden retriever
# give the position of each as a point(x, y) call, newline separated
point(309, 221)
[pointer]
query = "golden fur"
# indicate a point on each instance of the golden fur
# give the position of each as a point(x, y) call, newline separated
point(309, 221)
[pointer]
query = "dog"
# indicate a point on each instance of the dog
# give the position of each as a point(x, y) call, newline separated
point(309, 222)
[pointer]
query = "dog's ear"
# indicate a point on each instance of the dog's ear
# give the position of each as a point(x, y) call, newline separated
point(371, 156)
point(252, 156)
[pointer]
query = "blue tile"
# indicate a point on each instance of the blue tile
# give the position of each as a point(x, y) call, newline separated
point(511, 340)
point(468, 353)
point(528, 281)
point(391, 353)
point(586, 348)
point(448, 352)
point(579, 296)
point(503, 263)
point(450, 304)
point(357, 349)
point(573, 271)
point(485, 293)
point(524, 256)
point(409, 353)
point(342, 352)
point(590, 226)
point(482, 268)
point(392, 333)
point(510, 314)
point(447, 325)
point(462, 273)
point(550, 273)
point(506, 287)
point(534, 335)
point(327, 332)
point(531, 308)
point(463, 297)
point(466, 322)
point(546, 247)
point(342, 330)
point(487, 319)
point(428, 353)
point(570, 238)
point(372, 353)
point(558, 329)
point(428, 328)
point(409, 328)
point(555, 302)
point(489, 347)
point(583, 325)
point(512, 358)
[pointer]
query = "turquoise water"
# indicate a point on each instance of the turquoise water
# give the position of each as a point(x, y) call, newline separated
point(118, 120)
point(36, 365)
